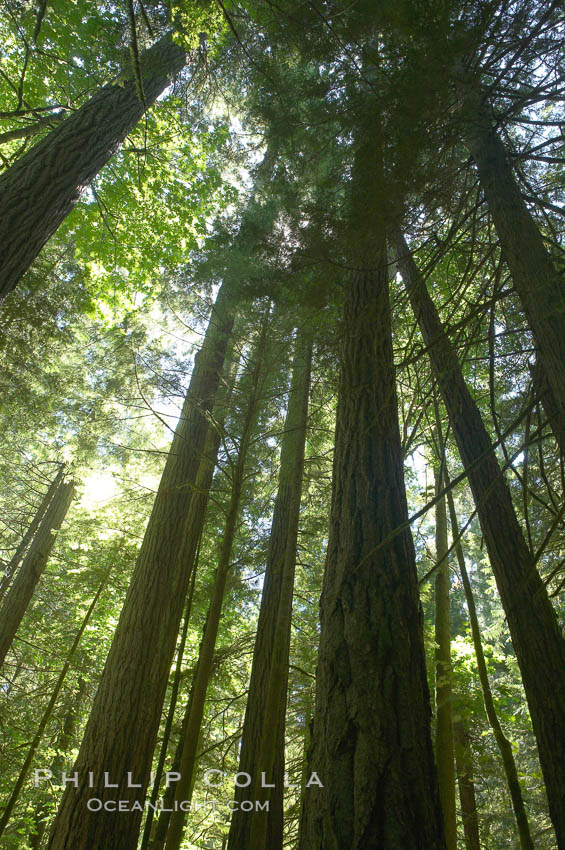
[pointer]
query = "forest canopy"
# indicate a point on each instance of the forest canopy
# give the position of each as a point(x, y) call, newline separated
point(282, 340)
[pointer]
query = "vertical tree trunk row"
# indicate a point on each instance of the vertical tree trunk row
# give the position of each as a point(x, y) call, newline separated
point(535, 632)
point(263, 738)
point(170, 828)
point(122, 729)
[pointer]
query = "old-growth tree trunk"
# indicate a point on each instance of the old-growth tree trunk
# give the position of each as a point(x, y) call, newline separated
point(170, 828)
point(540, 287)
point(23, 587)
point(263, 738)
point(445, 755)
point(502, 741)
point(41, 188)
point(535, 632)
point(371, 742)
point(122, 728)
point(14, 561)
point(467, 798)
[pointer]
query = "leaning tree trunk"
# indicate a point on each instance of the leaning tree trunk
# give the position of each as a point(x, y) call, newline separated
point(504, 745)
point(124, 721)
point(263, 738)
point(20, 594)
point(371, 743)
point(41, 188)
point(467, 798)
point(14, 561)
point(540, 287)
point(169, 831)
point(445, 755)
point(533, 625)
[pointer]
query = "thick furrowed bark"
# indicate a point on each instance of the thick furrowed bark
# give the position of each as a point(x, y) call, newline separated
point(535, 632)
point(262, 743)
point(41, 188)
point(371, 743)
point(23, 587)
point(122, 729)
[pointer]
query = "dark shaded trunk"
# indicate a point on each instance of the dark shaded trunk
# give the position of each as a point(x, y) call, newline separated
point(445, 756)
point(170, 826)
point(535, 632)
point(540, 287)
point(464, 760)
point(12, 565)
point(124, 721)
point(504, 745)
point(263, 737)
point(371, 742)
point(7, 813)
point(32, 567)
point(41, 188)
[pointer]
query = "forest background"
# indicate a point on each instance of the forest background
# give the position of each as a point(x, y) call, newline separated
point(372, 196)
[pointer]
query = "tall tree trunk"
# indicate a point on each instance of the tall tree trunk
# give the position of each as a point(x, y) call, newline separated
point(205, 476)
point(464, 761)
point(539, 285)
point(445, 755)
point(12, 565)
point(124, 721)
point(23, 587)
point(543, 391)
point(535, 632)
point(371, 742)
point(7, 813)
point(263, 738)
point(502, 741)
point(41, 188)
point(170, 829)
